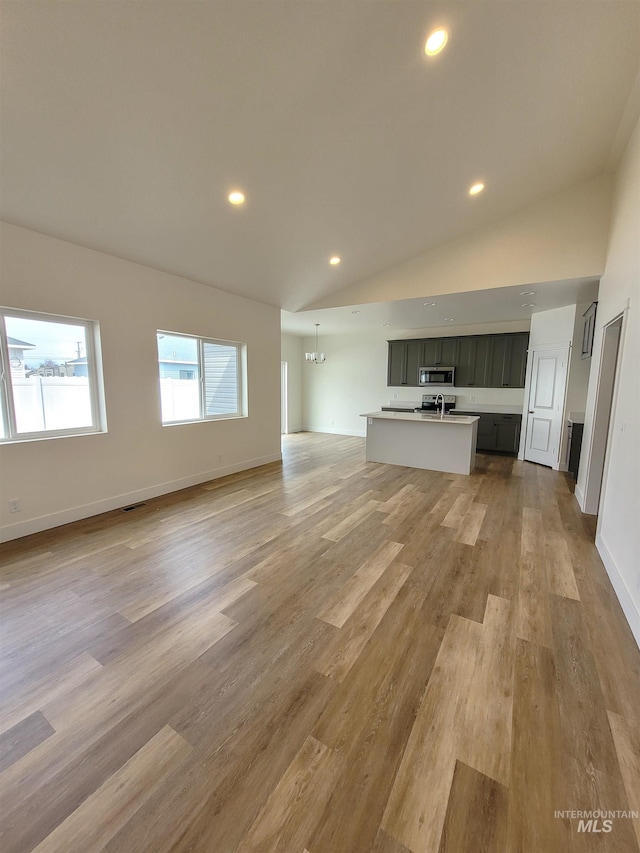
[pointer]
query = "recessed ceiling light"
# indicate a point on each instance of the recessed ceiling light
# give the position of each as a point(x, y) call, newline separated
point(236, 197)
point(334, 261)
point(386, 324)
point(528, 293)
point(355, 312)
point(429, 304)
point(436, 41)
point(476, 188)
point(528, 305)
point(449, 319)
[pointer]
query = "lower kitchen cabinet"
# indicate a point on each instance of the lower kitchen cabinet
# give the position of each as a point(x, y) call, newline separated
point(487, 434)
point(497, 431)
point(507, 429)
point(575, 446)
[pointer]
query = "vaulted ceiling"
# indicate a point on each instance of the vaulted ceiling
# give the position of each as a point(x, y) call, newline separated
point(126, 124)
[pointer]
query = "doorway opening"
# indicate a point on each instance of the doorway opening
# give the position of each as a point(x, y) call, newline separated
point(284, 398)
point(603, 415)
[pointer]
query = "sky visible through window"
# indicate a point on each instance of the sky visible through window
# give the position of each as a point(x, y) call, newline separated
point(55, 341)
point(49, 384)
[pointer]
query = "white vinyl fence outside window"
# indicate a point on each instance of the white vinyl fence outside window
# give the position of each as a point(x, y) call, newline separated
point(50, 380)
point(51, 403)
point(214, 387)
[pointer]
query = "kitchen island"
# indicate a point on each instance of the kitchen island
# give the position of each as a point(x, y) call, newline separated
point(417, 440)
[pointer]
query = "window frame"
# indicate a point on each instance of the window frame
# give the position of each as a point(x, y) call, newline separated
point(241, 367)
point(94, 376)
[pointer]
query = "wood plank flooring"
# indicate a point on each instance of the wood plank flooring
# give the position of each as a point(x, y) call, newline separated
point(323, 656)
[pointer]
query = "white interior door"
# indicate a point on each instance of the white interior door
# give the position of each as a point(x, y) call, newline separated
point(546, 406)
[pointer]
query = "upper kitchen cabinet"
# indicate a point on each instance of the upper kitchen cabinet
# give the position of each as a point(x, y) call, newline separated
point(472, 362)
point(516, 367)
point(397, 367)
point(404, 361)
point(436, 351)
point(414, 354)
point(507, 360)
point(481, 361)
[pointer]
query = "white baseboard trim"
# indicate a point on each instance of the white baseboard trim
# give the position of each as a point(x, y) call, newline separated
point(76, 513)
point(627, 603)
point(334, 431)
point(579, 496)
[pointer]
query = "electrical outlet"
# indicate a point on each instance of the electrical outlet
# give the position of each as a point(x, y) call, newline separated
point(395, 396)
point(473, 399)
point(219, 457)
point(15, 505)
point(333, 423)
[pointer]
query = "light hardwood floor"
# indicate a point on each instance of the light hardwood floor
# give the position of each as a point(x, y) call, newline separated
point(329, 656)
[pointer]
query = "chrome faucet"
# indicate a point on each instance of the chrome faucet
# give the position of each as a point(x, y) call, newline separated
point(442, 410)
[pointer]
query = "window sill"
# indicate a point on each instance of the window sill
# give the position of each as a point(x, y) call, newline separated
point(28, 439)
point(206, 420)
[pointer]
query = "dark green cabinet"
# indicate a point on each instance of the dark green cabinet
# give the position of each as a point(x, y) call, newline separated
point(497, 431)
point(436, 351)
point(497, 358)
point(575, 446)
point(397, 369)
point(472, 362)
point(486, 433)
point(516, 367)
point(507, 360)
point(481, 361)
point(404, 362)
point(414, 354)
point(588, 330)
point(507, 428)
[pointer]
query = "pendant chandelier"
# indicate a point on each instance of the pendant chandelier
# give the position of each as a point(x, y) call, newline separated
point(315, 357)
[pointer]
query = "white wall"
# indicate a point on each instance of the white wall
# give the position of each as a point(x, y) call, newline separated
point(293, 353)
point(618, 537)
point(559, 238)
point(552, 327)
point(59, 480)
point(353, 380)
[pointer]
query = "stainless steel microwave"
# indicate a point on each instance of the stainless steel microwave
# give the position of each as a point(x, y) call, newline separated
point(434, 376)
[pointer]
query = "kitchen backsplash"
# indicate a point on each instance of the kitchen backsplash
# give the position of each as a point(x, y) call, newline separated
point(464, 396)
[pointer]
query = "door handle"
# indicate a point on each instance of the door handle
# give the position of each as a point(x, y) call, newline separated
point(531, 411)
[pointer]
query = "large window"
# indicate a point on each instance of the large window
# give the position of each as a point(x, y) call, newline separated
point(200, 379)
point(50, 383)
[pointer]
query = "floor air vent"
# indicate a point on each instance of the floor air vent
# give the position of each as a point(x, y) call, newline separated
point(131, 507)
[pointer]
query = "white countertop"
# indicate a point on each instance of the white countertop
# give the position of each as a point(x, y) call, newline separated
point(418, 416)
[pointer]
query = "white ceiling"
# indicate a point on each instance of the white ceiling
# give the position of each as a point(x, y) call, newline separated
point(407, 316)
point(125, 124)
